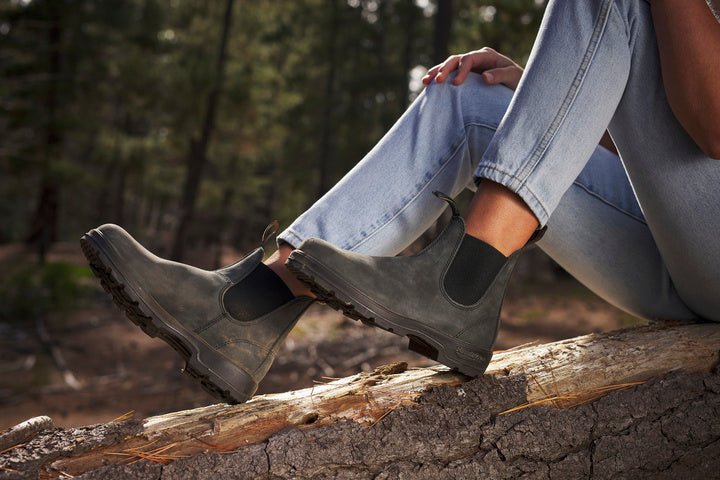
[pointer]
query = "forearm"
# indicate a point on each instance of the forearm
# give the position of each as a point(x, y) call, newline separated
point(688, 37)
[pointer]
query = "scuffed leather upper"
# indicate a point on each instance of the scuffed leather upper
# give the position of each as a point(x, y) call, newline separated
point(413, 286)
point(194, 298)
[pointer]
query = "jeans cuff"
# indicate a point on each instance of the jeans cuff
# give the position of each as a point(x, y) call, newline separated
point(514, 184)
point(290, 237)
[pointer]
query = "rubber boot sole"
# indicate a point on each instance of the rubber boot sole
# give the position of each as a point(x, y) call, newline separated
point(218, 376)
point(333, 290)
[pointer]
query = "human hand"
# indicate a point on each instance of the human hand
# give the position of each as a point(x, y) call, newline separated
point(494, 67)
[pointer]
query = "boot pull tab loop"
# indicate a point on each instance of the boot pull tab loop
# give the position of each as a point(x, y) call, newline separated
point(537, 235)
point(453, 206)
point(269, 232)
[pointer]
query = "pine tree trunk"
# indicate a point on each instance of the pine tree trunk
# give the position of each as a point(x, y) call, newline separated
point(44, 222)
point(197, 153)
point(443, 27)
point(327, 130)
point(410, 20)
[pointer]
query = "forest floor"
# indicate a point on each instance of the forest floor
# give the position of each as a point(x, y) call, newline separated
point(119, 369)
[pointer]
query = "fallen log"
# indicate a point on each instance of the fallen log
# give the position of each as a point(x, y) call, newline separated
point(25, 431)
point(636, 403)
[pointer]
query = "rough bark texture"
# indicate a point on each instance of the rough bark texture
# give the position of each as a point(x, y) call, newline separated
point(667, 427)
point(28, 459)
point(25, 431)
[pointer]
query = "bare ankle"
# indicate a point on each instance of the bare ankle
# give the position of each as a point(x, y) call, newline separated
point(499, 217)
point(276, 263)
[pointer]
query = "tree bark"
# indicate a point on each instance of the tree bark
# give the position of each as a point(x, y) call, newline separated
point(638, 403)
point(43, 224)
point(443, 27)
point(410, 19)
point(197, 153)
point(327, 131)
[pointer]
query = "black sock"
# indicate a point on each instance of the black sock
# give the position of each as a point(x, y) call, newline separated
point(261, 292)
point(473, 269)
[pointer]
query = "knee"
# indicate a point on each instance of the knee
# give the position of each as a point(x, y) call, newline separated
point(473, 85)
point(474, 98)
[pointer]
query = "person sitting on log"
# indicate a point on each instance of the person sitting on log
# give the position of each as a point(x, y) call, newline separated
point(639, 229)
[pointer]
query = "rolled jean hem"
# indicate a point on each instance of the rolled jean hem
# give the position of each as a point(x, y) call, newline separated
point(290, 237)
point(516, 185)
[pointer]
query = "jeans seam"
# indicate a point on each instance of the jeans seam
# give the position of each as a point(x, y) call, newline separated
point(415, 194)
point(478, 124)
point(601, 22)
point(608, 202)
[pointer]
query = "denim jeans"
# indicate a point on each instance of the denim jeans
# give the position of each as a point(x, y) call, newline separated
point(640, 230)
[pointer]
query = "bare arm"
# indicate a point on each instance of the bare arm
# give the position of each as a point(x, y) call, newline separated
point(688, 37)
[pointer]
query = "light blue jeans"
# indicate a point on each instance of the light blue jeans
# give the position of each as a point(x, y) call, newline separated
point(651, 248)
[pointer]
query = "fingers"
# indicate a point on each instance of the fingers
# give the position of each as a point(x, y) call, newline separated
point(500, 68)
point(447, 68)
point(440, 72)
point(508, 76)
point(465, 66)
point(431, 74)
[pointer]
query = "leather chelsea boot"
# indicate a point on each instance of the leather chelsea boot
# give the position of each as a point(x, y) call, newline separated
point(226, 349)
point(445, 299)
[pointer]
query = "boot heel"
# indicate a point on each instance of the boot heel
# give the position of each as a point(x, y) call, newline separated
point(420, 346)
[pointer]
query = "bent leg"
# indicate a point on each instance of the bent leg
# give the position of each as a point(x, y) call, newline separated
point(598, 234)
point(385, 202)
point(541, 149)
point(574, 80)
point(676, 183)
point(595, 64)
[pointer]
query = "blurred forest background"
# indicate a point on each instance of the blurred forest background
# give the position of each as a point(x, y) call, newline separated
point(193, 124)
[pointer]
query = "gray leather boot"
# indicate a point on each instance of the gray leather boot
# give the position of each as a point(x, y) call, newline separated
point(186, 307)
point(447, 319)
